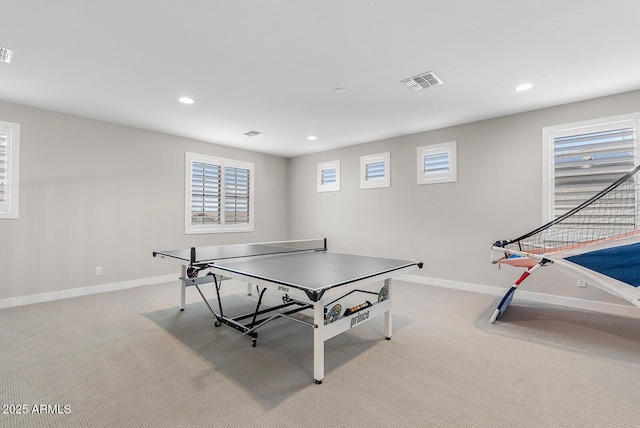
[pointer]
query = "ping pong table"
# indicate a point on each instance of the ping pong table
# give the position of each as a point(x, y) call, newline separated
point(309, 277)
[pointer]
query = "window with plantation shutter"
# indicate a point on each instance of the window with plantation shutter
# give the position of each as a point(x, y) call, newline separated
point(205, 193)
point(236, 192)
point(329, 176)
point(9, 169)
point(437, 163)
point(219, 195)
point(375, 171)
point(585, 158)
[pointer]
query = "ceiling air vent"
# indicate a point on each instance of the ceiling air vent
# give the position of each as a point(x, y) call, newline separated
point(422, 81)
point(252, 133)
point(5, 55)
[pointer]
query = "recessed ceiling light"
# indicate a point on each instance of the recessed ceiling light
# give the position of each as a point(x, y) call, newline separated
point(339, 90)
point(186, 100)
point(312, 138)
point(253, 134)
point(524, 87)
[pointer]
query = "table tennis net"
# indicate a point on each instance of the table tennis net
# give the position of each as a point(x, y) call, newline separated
point(224, 252)
point(300, 245)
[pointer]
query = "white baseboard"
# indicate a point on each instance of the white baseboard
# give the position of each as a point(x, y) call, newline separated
point(84, 291)
point(569, 302)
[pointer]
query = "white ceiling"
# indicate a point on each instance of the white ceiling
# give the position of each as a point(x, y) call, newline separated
point(272, 66)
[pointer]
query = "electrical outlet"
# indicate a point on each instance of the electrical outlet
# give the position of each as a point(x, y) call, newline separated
point(99, 271)
point(582, 284)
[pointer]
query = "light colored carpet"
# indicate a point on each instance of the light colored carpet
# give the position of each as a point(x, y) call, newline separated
point(131, 359)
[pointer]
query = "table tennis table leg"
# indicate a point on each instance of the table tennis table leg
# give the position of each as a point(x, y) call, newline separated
point(318, 341)
point(183, 287)
point(387, 314)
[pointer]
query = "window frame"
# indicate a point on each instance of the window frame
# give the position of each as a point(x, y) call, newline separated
point(549, 135)
point(450, 176)
point(327, 166)
point(385, 158)
point(9, 207)
point(223, 227)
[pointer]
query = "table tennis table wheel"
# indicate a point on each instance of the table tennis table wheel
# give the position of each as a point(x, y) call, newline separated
point(383, 294)
point(253, 342)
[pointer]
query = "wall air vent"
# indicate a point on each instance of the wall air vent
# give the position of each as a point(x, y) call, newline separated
point(422, 81)
point(252, 133)
point(5, 55)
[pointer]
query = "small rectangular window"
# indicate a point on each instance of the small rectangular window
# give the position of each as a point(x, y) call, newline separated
point(9, 169)
point(219, 195)
point(375, 171)
point(437, 163)
point(329, 176)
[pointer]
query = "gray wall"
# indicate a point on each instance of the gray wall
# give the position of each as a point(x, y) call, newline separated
point(449, 226)
point(98, 194)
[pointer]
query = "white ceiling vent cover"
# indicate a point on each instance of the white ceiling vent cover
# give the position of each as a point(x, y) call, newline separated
point(422, 81)
point(5, 55)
